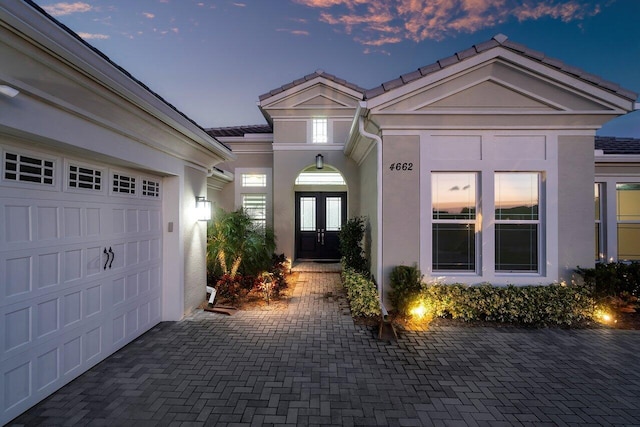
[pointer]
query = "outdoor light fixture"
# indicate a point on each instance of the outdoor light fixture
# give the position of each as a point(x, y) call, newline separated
point(319, 161)
point(203, 208)
point(8, 91)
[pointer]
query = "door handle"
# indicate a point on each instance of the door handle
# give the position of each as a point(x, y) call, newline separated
point(113, 256)
point(318, 235)
point(108, 256)
point(322, 236)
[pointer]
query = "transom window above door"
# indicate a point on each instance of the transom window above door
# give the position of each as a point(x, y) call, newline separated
point(326, 176)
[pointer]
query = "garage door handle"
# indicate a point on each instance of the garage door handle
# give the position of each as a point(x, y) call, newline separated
point(113, 256)
point(108, 256)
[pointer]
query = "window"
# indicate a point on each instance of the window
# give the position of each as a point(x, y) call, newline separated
point(320, 178)
point(18, 167)
point(628, 216)
point(320, 131)
point(85, 178)
point(124, 184)
point(517, 221)
point(333, 214)
point(598, 214)
point(150, 188)
point(454, 209)
point(256, 207)
point(254, 180)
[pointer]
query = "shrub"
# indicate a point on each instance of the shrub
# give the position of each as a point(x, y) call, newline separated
point(406, 285)
point(350, 240)
point(612, 279)
point(235, 244)
point(362, 293)
point(549, 305)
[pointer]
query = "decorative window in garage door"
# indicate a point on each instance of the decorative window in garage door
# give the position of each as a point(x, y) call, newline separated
point(85, 178)
point(22, 168)
point(124, 184)
point(150, 188)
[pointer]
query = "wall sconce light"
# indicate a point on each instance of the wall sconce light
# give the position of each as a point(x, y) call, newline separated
point(8, 91)
point(203, 208)
point(319, 161)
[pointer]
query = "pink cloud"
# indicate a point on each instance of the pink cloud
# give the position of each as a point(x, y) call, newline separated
point(89, 36)
point(379, 22)
point(61, 9)
point(294, 32)
point(148, 15)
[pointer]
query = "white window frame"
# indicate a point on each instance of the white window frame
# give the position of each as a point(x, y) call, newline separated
point(486, 161)
point(600, 248)
point(537, 222)
point(320, 130)
point(474, 222)
point(267, 190)
point(619, 221)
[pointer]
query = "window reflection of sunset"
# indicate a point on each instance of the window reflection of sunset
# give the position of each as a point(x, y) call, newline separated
point(516, 189)
point(452, 192)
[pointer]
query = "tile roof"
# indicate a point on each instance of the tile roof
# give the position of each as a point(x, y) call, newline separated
point(308, 77)
point(239, 130)
point(502, 41)
point(617, 145)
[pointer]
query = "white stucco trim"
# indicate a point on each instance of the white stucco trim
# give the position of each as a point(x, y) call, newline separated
point(307, 147)
point(267, 102)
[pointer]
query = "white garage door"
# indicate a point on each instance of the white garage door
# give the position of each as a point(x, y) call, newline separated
point(80, 262)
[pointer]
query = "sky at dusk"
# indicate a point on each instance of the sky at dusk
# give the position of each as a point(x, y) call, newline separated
point(213, 58)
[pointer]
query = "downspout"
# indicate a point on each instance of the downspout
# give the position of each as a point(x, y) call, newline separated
point(378, 142)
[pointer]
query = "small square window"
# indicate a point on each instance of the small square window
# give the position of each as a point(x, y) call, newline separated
point(320, 131)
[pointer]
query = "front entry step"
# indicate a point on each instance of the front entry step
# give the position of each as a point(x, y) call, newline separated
point(316, 267)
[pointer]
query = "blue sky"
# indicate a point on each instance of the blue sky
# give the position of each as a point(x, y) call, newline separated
point(213, 58)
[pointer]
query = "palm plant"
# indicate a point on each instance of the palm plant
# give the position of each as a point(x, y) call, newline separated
point(236, 244)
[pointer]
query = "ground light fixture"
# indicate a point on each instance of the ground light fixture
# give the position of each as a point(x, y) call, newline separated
point(319, 161)
point(203, 208)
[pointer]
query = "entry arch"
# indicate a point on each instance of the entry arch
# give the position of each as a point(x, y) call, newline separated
point(320, 210)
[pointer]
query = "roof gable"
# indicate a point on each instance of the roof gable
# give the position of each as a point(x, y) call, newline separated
point(318, 76)
point(493, 85)
point(502, 42)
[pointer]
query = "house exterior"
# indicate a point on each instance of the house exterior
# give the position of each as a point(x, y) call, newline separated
point(477, 168)
point(99, 238)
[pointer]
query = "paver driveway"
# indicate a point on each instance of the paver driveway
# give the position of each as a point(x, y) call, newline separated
point(311, 365)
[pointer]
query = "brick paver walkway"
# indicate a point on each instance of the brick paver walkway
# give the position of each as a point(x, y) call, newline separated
point(310, 365)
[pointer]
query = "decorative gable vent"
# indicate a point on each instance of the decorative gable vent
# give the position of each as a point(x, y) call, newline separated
point(124, 184)
point(85, 178)
point(21, 168)
point(150, 188)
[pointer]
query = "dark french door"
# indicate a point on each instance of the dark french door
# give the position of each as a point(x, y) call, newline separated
point(319, 217)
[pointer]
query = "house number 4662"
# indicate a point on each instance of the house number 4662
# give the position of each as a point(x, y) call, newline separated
point(401, 167)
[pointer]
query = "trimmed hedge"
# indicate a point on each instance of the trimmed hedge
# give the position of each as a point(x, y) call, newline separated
point(550, 305)
point(362, 293)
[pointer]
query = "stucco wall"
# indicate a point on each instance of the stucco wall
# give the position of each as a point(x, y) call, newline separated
point(401, 203)
point(195, 240)
point(575, 204)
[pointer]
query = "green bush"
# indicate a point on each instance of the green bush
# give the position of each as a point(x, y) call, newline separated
point(550, 305)
point(362, 293)
point(612, 279)
point(406, 283)
point(351, 237)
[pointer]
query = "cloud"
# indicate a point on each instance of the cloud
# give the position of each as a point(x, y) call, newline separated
point(294, 32)
point(61, 9)
point(89, 36)
point(148, 15)
point(380, 22)
point(240, 4)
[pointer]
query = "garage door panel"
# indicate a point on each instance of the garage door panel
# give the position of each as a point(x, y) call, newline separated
point(80, 277)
